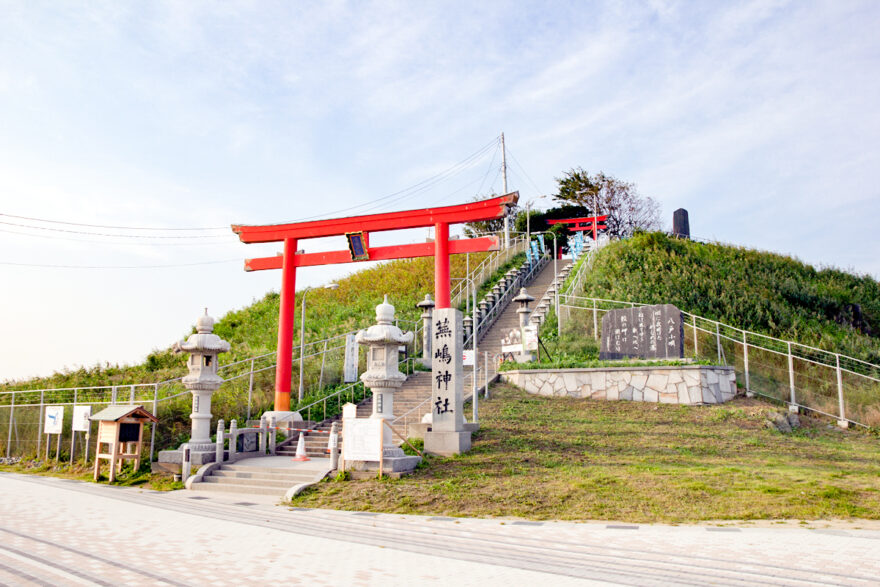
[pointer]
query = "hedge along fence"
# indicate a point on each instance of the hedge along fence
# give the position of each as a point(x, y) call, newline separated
point(829, 383)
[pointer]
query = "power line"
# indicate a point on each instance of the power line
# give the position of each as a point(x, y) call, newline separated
point(70, 231)
point(108, 226)
point(50, 266)
point(416, 188)
point(117, 243)
point(537, 189)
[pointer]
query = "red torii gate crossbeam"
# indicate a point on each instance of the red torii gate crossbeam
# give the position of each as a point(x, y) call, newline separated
point(588, 223)
point(290, 234)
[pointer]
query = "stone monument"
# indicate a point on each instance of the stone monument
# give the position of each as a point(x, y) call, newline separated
point(681, 227)
point(383, 378)
point(646, 332)
point(448, 435)
point(202, 381)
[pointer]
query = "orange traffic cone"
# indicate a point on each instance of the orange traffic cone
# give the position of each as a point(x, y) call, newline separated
point(301, 449)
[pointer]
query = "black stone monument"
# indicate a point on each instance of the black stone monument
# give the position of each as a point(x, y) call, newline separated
point(646, 332)
point(680, 225)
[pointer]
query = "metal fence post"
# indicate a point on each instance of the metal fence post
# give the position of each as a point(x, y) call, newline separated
point(718, 340)
point(486, 376)
point(40, 426)
point(792, 407)
point(595, 320)
point(113, 395)
point(696, 344)
point(843, 423)
point(250, 390)
point(9, 432)
point(131, 395)
point(323, 359)
point(746, 365)
point(72, 431)
point(155, 413)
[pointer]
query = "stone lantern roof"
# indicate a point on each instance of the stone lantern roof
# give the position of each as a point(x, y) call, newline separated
point(384, 332)
point(204, 340)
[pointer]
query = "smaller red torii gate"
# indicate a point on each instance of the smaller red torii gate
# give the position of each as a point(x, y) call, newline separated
point(588, 223)
point(357, 229)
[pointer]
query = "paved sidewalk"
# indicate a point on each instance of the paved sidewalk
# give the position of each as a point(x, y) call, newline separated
point(58, 532)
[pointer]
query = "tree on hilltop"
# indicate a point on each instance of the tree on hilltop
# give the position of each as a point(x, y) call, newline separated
point(627, 211)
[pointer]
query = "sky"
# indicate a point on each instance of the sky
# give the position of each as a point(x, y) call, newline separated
point(759, 118)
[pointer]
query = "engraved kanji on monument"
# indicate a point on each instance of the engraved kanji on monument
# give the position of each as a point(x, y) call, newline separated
point(447, 375)
point(646, 332)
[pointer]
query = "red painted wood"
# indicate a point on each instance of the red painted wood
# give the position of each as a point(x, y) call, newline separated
point(456, 247)
point(441, 265)
point(284, 354)
point(471, 212)
point(576, 220)
point(588, 228)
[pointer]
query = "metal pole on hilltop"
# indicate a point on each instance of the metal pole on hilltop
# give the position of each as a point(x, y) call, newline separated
point(504, 187)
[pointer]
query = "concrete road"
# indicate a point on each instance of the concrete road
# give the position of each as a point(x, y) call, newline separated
point(58, 532)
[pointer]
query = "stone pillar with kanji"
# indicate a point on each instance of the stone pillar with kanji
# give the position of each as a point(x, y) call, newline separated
point(448, 435)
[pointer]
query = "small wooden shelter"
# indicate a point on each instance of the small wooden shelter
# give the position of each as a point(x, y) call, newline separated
point(121, 428)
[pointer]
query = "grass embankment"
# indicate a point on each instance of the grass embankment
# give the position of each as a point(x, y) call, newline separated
point(759, 291)
point(80, 472)
point(571, 459)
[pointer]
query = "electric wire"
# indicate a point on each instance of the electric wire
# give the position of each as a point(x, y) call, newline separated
point(54, 266)
point(524, 171)
point(231, 239)
point(142, 236)
point(416, 188)
point(107, 225)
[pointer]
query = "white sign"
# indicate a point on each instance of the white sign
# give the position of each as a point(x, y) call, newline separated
point(362, 439)
point(447, 382)
point(54, 420)
point(350, 369)
point(512, 348)
point(81, 415)
point(530, 333)
point(467, 357)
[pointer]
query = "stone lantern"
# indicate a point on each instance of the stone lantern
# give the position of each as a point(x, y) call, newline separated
point(524, 299)
point(427, 307)
point(202, 381)
point(382, 375)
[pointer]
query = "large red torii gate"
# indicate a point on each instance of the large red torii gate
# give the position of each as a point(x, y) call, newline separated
point(357, 229)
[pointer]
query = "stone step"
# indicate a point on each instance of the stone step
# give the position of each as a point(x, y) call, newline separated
point(245, 489)
point(281, 484)
point(292, 477)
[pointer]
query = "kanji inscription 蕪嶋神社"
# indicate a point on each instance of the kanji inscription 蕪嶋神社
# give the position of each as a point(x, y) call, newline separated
point(447, 381)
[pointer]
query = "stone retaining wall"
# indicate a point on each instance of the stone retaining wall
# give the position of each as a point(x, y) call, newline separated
point(689, 384)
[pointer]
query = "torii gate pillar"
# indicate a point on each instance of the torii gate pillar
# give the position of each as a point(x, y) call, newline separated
point(441, 265)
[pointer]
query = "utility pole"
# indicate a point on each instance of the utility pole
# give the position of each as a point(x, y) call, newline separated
point(504, 188)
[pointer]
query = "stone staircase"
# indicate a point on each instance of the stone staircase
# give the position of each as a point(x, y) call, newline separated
point(261, 476)
point(509, 319)
point(410, 400)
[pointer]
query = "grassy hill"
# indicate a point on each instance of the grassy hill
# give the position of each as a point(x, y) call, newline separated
point(759, 291)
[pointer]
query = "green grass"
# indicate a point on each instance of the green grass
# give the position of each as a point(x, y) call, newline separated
point(572, 459)
point(759, 291)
